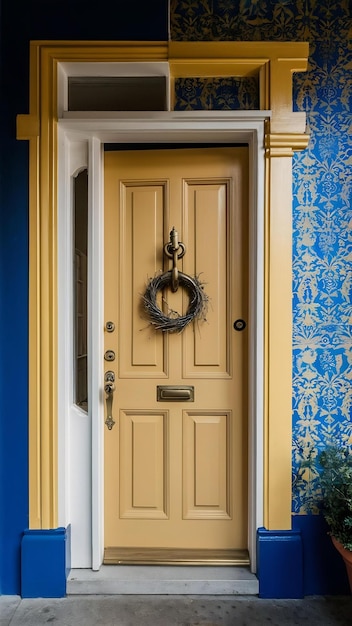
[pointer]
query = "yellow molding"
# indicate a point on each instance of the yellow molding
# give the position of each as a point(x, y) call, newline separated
point(34, 347)
point(42, 289)
point(27, 126)
point(48, 300)
point(274, 63)
point(104, 51)
point(238, 49)
point(34, 433)
point(264, 84)
point(183, 68)
point(278, 344)
point(284, 145)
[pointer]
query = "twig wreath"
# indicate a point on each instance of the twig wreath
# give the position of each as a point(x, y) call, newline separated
point(174, 322)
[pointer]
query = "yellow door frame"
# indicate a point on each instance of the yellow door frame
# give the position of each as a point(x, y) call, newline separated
point(274, 63)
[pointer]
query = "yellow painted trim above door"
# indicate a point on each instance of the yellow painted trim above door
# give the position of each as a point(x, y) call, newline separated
point(274, 63)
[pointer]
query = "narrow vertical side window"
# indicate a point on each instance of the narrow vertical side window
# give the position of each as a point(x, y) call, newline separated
point(80, 287)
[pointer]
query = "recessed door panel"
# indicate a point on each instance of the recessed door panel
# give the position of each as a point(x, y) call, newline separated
point(143, 475)
point(140, 250)
point(207, 476)
point(207, 207)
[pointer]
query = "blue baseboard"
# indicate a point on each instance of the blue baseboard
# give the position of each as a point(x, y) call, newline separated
point(299, 562)
point(291, 563)
point(45, 563)
point(324, 572)
point(280, 563)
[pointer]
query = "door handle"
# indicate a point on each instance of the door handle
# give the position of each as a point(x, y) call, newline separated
point(109, 389)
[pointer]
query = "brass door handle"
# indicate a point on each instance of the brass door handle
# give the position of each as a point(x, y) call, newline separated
point(109, 389)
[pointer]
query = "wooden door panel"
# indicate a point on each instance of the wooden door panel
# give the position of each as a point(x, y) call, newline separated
point(142, 218)
point(207, 209)
point(143, 465)
point(206, 471)
point(175, 472)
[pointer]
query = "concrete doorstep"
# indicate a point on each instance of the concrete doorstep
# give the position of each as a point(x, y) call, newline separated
point(160, 580)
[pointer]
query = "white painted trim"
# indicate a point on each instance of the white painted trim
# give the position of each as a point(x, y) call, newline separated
point(256, 342)
point(165, 126)
point(82, 118)
point(96, 341)
point(64, 326)
point(62, 89)
point(160, 127)
point(74, 425)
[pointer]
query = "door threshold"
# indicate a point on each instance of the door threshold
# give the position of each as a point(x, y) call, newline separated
point(174, 556)
point(162, 580)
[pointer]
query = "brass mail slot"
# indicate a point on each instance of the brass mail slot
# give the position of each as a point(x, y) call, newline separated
point(174, 393)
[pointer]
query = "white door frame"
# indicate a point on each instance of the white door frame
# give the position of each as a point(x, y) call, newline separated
point(80, 441)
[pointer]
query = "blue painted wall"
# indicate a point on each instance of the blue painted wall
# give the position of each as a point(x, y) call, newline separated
point(57, 19)
point(13, 331)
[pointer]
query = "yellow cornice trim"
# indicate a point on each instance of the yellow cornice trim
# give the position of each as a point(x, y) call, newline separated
point(239, 49)
point(104, 51)
point(285, 144)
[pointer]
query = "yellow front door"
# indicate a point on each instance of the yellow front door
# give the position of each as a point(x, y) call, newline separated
point(176, 471)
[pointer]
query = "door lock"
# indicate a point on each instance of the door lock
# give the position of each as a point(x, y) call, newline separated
point(109, 376)
point(109, 355)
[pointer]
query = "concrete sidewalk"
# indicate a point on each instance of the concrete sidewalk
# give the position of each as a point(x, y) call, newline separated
point(175, 611)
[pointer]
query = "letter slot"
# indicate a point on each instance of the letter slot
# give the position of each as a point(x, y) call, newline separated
point(174, 393)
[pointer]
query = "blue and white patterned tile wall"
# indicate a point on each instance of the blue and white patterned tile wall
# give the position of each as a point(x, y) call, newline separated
point(322, 218)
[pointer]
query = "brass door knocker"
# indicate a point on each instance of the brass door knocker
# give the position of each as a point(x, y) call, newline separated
point(171, 250)
point(198, 300)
